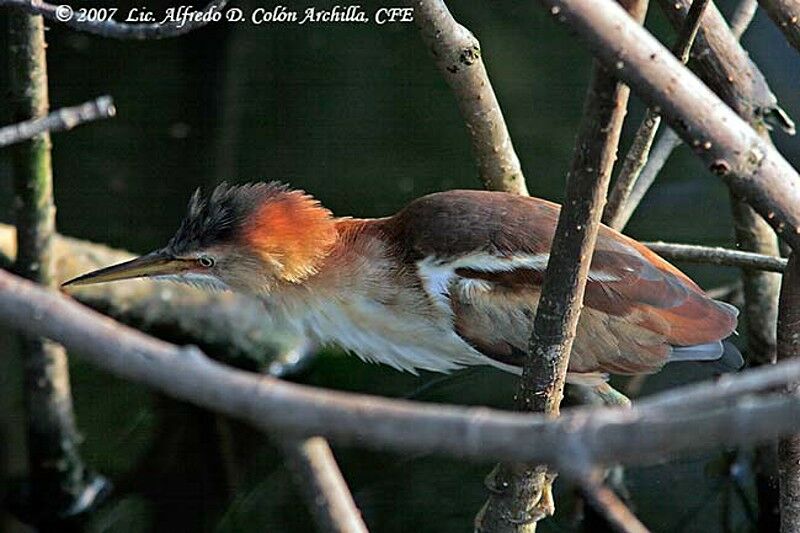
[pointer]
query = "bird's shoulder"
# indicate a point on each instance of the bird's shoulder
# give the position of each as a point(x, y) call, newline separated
point(457, 223)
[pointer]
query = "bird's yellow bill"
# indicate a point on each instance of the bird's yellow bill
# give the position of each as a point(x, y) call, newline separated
point(154, 264)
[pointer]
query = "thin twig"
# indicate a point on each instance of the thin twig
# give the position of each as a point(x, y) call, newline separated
point(742, 16)
point(609, 505)
point(786, 16)
point(636, 158)
point(664, 146)
point(689, 29)
point(717, 256)
point(63, 119)
point(119, 30)
point(457, 54)
point(632, 166)
point(726, 293)
point(733, 410)
point(521, 494)
point(789, 349)
point(727, 145)
point(318, 476)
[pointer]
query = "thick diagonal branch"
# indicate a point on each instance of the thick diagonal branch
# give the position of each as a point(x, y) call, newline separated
point(729, 147)
point(457, 54)
point(735, 410)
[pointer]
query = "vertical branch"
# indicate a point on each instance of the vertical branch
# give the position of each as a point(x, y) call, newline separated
point(789, 447)
point(521, 494)
point(319, 478)
point(761, 289)
point(57, 474)
point(457, 54)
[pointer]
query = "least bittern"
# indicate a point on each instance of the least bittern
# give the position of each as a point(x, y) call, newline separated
point(452, 280)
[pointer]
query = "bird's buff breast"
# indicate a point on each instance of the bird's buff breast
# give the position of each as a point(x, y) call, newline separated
point(381, 333)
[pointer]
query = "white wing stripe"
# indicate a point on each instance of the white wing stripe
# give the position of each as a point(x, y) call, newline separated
point(437, 275)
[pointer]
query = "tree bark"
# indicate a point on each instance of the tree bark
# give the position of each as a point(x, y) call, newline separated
point(58, 478)
point(520, 494)
point(457, 54)
point(734, 410)
point(789, 348)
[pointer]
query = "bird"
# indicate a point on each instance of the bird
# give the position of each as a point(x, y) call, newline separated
point(451, 280)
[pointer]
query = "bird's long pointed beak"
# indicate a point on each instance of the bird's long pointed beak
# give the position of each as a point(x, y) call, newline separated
point(156, 263)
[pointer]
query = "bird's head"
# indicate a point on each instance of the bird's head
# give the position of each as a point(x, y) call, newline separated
point(246, 238)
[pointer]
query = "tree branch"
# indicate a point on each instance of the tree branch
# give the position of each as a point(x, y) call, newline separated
point(657, 158)
point(614, 510)
point(726, 67)
point(727, 145)
point(63, 119)
point(60, 485)
point(722, 55)
point(742, 16)
point(114, 29)
point(636, 158)
point(319, 478)
point(786, 16)
point(521, 494)
point(457, 54)
point(731, 411)
point(717, 256)
point(789, 349)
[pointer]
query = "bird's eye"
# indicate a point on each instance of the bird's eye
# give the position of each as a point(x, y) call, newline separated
point(206, 261)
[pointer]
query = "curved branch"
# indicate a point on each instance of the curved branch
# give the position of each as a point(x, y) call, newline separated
point(717, 256)
point(457, 54)
point(729, 410)
point(120, 30)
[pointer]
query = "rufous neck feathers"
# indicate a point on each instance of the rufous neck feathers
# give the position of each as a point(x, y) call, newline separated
point(292, 232)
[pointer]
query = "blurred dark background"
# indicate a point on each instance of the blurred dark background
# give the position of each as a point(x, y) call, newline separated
point(358, 116)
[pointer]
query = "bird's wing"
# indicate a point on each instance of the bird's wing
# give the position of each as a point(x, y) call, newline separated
point(484, 256)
